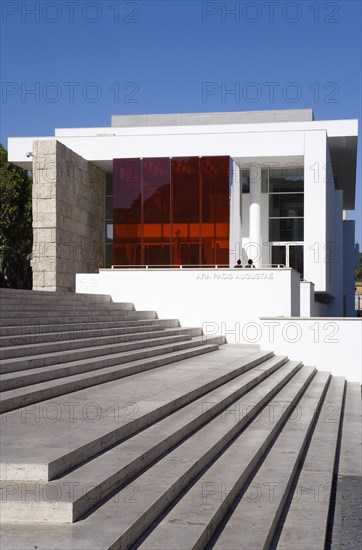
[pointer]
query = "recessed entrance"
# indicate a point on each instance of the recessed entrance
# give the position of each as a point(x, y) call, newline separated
point(289, 254)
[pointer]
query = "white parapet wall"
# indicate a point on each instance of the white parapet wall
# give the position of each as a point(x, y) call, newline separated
point(329, 343)
point(220, 297)
point(248, 306)
point(306, 299)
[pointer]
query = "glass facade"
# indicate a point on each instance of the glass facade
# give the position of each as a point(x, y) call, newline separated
point(288, 255)
point(171, 212)
point(245, 180)
point(286, 204)
point(286, 216)
point(108, 219)
point(285, 229)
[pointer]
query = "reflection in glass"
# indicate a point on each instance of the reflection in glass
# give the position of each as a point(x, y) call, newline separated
point(185, 189)
point(109, 184)
point(264, 181)
point(215, 211)
point(127, 212)
point(286, 205)
point(156, 189)
point(171, 211)
point(109, 208)
point(288, 255)
point(286, 180)
point(245, 181)
point(279, 255)
point(286, 229)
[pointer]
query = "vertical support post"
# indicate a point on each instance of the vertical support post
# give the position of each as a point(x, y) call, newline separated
point(235, 248)
point(254, 215)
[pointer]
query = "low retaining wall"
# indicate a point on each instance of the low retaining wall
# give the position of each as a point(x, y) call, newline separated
point(259, 306)
point(196, 296)
point(328, 343)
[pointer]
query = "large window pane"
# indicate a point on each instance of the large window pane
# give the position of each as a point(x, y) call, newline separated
point(286, 180)
point(215, 209)
point(264, 181)
point(171, 212)
point(286, 205)
point(287, 229)
point(156, 184)
point(109, 208)
point(185, 210)
point(127, 190)
point(108, 221)
point(245, 181)
point(185, 189)
point(156, 179)
point(288, 255)
point(109, 184)
point(127, 211)
point(279, 255)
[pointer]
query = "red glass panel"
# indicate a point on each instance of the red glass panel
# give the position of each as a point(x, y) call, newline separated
point(156, 190)
point(185, 189)
point(127, 212)
point(156, 194)
point(185, 210)
point(215, 210)
point(171, 212)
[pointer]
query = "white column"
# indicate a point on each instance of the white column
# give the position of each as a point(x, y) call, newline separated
point(255, 248)
point(235, 215)
point(317, 211)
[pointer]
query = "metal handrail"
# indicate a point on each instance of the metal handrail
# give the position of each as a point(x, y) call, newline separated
point(184, 266)
point(168, 266)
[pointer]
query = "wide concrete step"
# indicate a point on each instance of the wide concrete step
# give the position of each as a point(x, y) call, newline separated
point(30, 349)
point(85, 317)
point(35, 363)
point(88, 334)
point(238, 442)
point(136, 506)
point(39, 296)
point(95, 480)
point(347, 515)
point(154, 393)
point(262, 500)
point(190, 444)
point(110, 367)
point(122, 353)
point(308, 504)
point(51, 310)
point(42, 331)
point(212, 494)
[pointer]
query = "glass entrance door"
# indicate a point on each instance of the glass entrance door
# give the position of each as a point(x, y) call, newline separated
point(279, 254)
point(290, 255)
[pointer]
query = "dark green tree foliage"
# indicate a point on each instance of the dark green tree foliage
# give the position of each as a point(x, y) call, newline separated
point(15, 224)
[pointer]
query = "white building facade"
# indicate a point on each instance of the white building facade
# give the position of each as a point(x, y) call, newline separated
point(291, 180)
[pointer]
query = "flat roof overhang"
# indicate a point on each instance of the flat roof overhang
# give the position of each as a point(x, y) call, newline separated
point(342, 142)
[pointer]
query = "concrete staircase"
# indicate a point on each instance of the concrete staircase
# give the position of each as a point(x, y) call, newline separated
point(121, 430)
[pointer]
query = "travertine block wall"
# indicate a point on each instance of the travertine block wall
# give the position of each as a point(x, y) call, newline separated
point(68, 216)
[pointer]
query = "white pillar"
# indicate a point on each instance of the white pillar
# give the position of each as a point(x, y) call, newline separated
point(235, 248)
point(255, 245)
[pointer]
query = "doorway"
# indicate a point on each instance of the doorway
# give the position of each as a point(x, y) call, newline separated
point(288, 254)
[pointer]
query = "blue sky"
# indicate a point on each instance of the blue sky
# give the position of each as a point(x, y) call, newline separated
point(75, 63)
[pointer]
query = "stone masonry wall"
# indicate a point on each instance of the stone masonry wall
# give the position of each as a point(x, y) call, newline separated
point(44, 215)
point(68, 216)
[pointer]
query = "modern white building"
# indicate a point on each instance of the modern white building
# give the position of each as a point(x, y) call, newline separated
point(201, 191)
